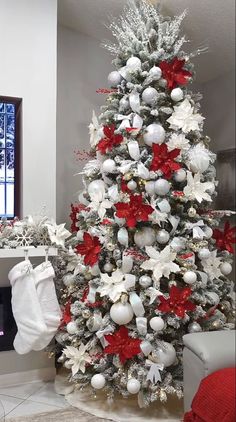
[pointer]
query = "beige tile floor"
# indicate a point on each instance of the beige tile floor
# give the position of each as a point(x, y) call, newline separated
point(28, 399)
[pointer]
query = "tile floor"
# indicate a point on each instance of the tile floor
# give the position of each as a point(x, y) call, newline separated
point(28, 399)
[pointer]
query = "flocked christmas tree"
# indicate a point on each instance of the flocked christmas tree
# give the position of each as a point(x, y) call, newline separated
point(148, 263)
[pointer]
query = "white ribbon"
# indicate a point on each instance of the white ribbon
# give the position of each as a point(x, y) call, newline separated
point(91, 294)
point(143, 172)
point(134, 151)
point(136, 304)
point(153, 293)
point(198, 233)
point(101, 333)
point(123, 237)
point(154, 372)
point(174, 221)
point(130, 280)
point(127, 263)
point(141, 323)
point(130, 120)
point(146, 347)
point(134, 101)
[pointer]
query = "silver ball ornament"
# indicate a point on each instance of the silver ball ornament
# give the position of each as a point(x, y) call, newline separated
point(98, 381)
point(162, 187)
point(177, 94)
point(155, 72)
point(166, 354)
point(154, 134)
point(163, 237)
point(71, 327)
point(194, 327)
point(109, 166)
point(114, 79)
point(145, 237)
point(226, 268)
point(124, 104)
point(132, 185)
point(190, 277)
point(208, 232)
point(180, 175)
point(204, 253)
point(133, 386)
point(145, 281)
point(117, 254)
point(134, 63)
point(157, 323)
point(108, 267)
point(150, 95)
point(150, 187)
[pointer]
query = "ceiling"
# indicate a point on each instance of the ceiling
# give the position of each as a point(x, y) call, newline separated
point(209, 22)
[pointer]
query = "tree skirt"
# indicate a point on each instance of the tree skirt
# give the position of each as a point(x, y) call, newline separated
point(67, 415)
point(121, 410)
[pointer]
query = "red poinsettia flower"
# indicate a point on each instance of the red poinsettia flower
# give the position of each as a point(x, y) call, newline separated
point(121, 344)
point(66, 315)
point(177, 302)
point(225, 239)
point(134, 210)
point(90, 248)
point(110, 140)
point(164, 160)
point(174, 73)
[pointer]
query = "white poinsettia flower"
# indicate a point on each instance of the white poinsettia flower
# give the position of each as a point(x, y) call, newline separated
point(77, 358)
point(195, 189)
point(184, 117)
point(99, 203)
point(160, 263)
point(94, 130)
point(157, 217)
point(115, 284)
point(199, 158)
point(211, 266)
point(178, 141)
point(57, 233)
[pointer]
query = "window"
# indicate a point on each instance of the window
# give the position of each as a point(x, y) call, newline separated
point(10, 119)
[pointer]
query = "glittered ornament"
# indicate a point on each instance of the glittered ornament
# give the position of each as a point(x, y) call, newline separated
point(94, 323)
point(226, 268)
point(145, 237)
point(157, 323)
point(162, 237)
point(204, 253)
point(190, 277)
point(155, 72)
point(208, 232)
point(98, 381)
point(109, 166)
point(121, 313)
point(86, 314)
point(166, 354)
point(194, 327)
point(124, 104)
point(180, 175)
point(177, 94)
point(150, 187)
point(162, 187)
point(145, 281)
point(133, 386)
point(134, 63)
point(154, 134)
point(150, 95)
point(96, 187)
point(114, 79)
point(71, 327)
point(116, 254)
point(192, 212)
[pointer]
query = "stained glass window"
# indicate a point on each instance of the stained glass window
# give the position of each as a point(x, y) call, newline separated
point(8, 139)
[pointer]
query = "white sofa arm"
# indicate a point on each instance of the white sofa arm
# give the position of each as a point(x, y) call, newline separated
point(203, 354)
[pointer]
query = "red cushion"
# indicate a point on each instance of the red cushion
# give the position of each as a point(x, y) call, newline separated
point(215, 398)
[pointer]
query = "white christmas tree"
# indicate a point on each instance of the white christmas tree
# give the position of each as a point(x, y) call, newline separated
point(148, 264)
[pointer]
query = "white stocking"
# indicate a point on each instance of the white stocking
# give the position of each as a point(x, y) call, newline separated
point(26, 308)
point(47, 297)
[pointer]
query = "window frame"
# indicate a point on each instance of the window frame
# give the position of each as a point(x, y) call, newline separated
point(17, 151)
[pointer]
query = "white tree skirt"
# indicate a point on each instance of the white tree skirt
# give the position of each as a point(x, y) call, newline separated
point(121, 410)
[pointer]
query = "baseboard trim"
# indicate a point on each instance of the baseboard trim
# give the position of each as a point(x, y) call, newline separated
point(42, 374)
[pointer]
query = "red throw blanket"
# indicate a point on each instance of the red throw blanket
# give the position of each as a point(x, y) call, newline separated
point(215, 398)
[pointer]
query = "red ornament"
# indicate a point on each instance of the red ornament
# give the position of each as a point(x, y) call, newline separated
point(225, 239)
point(164, 160)
point(66, 315)
point(177, 302)
point(121, 344)
point(134, 210)
point(174, 73)
point(90, 248)
point(110, 140)
point(178, 193)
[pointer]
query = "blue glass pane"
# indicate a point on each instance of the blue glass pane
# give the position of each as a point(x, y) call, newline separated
point(10, 108)
point(2, 107)
point(2, 128)
point(10, 130)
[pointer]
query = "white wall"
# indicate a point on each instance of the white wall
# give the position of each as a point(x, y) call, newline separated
point(83, 67)
point(28, 31)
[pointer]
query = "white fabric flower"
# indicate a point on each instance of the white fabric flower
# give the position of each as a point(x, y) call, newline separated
point(199, 158)
point(157, 217)
point(57, 233)
point(178, 141)
point(195, 189)
point(184, 118)
point(99, 203)
point(116, 284)
point(77, 358)
point(94, 131)
point(211, 266)
point(160, 263)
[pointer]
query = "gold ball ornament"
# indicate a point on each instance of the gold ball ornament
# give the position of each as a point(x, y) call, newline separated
point(192, 212)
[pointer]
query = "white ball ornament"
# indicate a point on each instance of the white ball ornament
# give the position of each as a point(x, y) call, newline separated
point(96, 186)
point(145, 281)
point(132, 185)
point(226, 268)
point(208, 232)
point(71, 327)
point(166, 354)
point(190, 277)
point(109, 166)
point(162, 187)
point(154, 134)
point(177, 94)
point(114, 79)
point(194, 327)
point(98, 381)
point(204, 253)
point(121, 313)
point(180, 175)
point(155, 72)
point(108, 267)
point(150, 95)
point(163, 237)
point(157, 323)
point(150, 187)
point(124, 104)
point(134, 63)
point(145, 237)
point(133, 386)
